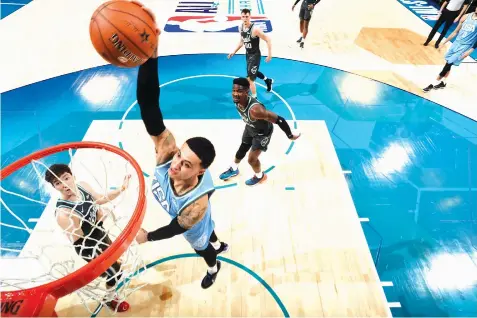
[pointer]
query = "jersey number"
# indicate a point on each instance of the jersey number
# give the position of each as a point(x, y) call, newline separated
point(160, 196)
point(248, 45)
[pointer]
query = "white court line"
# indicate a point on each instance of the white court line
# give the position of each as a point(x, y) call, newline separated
point(394, 305)
point(13, 3)
point(364, 219)
point(33, 220)
point(387, 284)
point(347, 171)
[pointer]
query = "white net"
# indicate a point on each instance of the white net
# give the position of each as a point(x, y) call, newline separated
point(40, 221)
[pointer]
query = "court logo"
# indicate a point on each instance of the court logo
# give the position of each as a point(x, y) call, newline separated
point(201, 17)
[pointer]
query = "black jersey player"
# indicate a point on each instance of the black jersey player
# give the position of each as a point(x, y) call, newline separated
point(250, 35)
point(79, 214)
point(258, 131)
point(306, 10)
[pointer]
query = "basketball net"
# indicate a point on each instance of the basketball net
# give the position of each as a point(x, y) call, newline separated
point(36, 251)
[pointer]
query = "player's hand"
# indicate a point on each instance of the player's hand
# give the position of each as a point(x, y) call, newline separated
point(466, 54)
point(141, 236)
point(125, 182)
point(153, 16)
point(295, 136)
point(310, 7)
point(268, 59)
point(230, 55)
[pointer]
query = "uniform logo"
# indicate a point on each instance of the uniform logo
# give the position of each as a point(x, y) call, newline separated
point(213, 24)
point(160, 196)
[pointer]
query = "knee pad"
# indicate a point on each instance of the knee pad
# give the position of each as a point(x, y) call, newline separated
point(242, 151)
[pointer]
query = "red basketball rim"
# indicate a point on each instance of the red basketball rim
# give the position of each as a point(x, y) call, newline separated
point(41, 300)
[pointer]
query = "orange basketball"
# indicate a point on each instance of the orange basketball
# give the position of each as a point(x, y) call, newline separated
point(123, 33)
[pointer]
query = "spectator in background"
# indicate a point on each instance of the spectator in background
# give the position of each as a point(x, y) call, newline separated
point(451, 11)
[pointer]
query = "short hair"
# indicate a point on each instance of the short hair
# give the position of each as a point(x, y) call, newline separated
point(56, 171)
point(242, 81)
point(204, 149)
point(245, 11)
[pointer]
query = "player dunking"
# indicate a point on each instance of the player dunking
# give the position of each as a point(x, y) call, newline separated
point(258, 131)
point(79, 215)
point(306, 10)
point(182, 183)
point(463, 46)
point(250, 36)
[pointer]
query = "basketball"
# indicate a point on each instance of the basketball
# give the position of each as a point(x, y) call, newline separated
point(123, 33)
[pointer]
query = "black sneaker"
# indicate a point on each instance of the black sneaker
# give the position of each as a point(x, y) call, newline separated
point(209, 279)
point(426, 43)
point(224, 247)
point(428, 88)
point(299, 40)
point(440, 85)
point(302, 45)
point(269, 83)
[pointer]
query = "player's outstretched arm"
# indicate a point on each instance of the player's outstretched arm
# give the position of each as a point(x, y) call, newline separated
point(259, 112)
point(180, 224)
point(148, 92)
point(109, 196)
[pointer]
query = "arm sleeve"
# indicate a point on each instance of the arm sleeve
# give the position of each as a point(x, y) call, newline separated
point(148, 93)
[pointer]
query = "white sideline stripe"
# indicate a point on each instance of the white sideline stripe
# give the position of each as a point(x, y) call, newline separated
point(364, 219)
point(387, 284)
point(33, 219)
point(394, 305)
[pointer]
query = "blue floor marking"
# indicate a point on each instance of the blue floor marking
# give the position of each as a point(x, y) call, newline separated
point(227, 260)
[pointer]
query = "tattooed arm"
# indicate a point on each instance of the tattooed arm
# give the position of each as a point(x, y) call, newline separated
point(194, 212)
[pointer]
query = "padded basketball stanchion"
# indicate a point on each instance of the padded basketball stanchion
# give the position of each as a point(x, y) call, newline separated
point(41, 300)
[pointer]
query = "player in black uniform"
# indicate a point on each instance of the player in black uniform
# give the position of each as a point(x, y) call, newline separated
point(79, 215)
point(258, 131)
point(306, 10)
point(250, 36)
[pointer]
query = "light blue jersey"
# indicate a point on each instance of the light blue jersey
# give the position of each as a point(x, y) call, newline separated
point(465, 40)
point(198, 236)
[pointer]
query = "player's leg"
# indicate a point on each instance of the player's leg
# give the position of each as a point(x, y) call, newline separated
point(245, 146)
point(268, 81)
point(209, 254)
point(220, 247)
point(306, 23)
point(440, 82)
point(255, 62)
point(301, 15)
point(259, 145)
point(93, 246)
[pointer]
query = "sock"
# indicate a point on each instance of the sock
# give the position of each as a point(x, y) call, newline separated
point(234, 166)
point(254, 95)
point(265, 78)
point(303, 40)
point(212, 270)
point(259, 174)
point(216, 244)
point(436, 83)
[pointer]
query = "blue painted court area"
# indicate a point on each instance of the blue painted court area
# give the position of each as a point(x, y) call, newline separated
point(413, 163)
point(8, 7)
